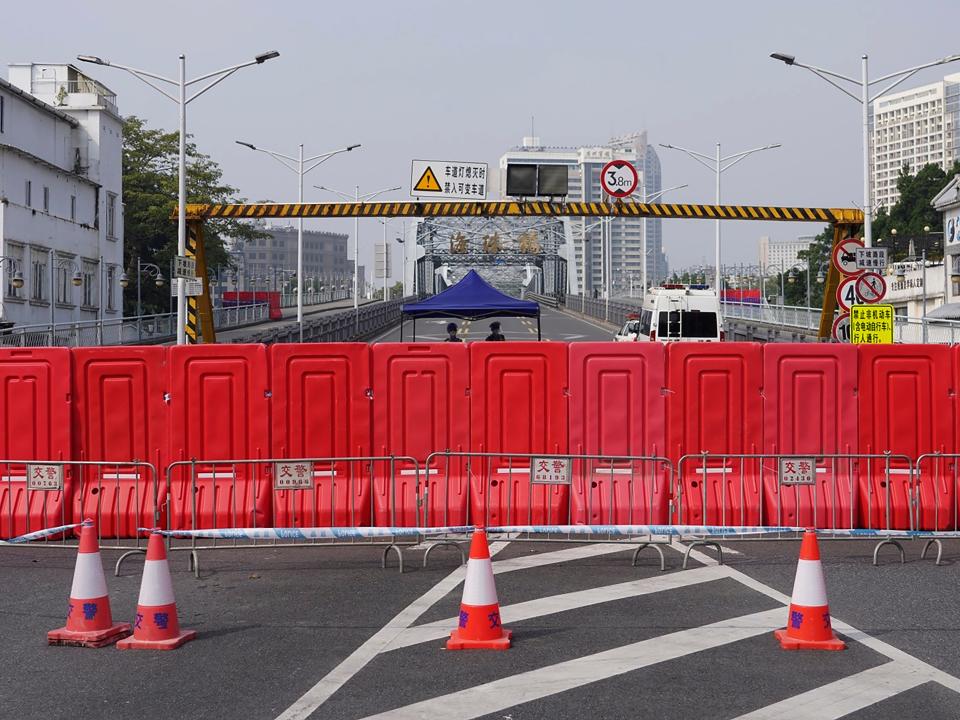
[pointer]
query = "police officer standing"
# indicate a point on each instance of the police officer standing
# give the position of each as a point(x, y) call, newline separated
point(495, 333)
point(452, 333)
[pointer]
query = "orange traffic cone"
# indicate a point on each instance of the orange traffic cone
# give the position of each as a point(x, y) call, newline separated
point(157, 626)
point(479, 626)
point(89, 622)
point(808, 626)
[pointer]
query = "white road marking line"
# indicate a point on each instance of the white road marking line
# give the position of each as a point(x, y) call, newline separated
point(358, 659)
point(565, 602)
point(501, 694)
point(844, 696)
point(896, 654)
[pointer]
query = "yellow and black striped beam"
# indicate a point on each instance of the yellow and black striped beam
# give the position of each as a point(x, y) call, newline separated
point(532, 208)
point(192, 326)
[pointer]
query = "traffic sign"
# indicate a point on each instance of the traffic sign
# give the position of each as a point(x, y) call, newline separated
point(847, 294)
point(448, 179)
point(871, 258)
point(184, 267)
point(841, 328)
point(619, 178)
point(845, 256)
point(871, 324)
point(191, 288)
point(871, 287)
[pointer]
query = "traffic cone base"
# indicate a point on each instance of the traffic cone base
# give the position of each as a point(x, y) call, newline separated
point(89, 621)
point(456, 642)
point(89, 638)
point(479, 625)
point(808, 622)
point(132, 643)
point(789, 643)
point(157, 626)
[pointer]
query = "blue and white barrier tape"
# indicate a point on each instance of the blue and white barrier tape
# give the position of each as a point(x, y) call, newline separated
point(631, 530)
point(39, 534)
point(315, 533)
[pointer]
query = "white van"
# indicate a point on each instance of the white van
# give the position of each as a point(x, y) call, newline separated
point(673, 313)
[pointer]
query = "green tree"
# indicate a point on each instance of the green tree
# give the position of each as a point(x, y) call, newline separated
point(150, 179)
point(913, 212)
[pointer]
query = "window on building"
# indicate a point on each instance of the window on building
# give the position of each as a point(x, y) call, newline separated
point(89, 273)
point(38, 276)
point(28, 194)
point(1, 113)
point(46, 199)
point(73, 208)
point(111, 287)
point(112, 215)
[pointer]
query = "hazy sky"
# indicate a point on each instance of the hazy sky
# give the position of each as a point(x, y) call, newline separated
point(460, 80)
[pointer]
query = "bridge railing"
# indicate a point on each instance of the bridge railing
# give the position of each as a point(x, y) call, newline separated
point(124, 330)
point(803, 317)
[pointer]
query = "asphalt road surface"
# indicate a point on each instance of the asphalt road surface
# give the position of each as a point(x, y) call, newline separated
point(326, 633)
point(554, 325)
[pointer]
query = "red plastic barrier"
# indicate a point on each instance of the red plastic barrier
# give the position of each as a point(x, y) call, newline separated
point(517, 405)
point(321, 410)
point(617, 407)
point(34, 425)
point(120, 416)
point(809, 409)
point(219, 411)
point(420, 405)
point(714, 405)
point(906, 407)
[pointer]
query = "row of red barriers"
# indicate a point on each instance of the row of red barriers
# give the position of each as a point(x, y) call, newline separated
point(228, 402)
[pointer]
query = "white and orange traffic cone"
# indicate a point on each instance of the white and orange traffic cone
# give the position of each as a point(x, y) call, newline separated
point(808, 625)
point(479, 626)
point(89, 621)
point(157, 626)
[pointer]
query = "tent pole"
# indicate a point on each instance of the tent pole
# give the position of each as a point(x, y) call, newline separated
point(538, 324)
point(401, 326)
point(414, 328)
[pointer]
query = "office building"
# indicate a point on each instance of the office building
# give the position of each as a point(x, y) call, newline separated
point(585, 164)
point(272, 260)
point(783, 254)
point(61, 219)
point(913, 128)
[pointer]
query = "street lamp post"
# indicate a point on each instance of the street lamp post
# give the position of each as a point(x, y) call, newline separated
point(77, 280)
point(356, 230)
point(296, 165)
point(648, 199)
point(150, 270)
point(865, 100)
point(716, 164)
point(181, 83)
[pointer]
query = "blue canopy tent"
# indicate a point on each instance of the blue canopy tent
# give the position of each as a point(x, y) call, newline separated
point(473, 298)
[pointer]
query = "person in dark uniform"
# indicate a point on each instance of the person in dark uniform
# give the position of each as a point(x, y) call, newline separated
point(495, 333)
point(452, 333)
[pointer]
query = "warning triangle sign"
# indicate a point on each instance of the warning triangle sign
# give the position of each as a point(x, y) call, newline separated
point(427, 182)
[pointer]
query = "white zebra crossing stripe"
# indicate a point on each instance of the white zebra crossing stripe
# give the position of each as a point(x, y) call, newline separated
point(524, 687)
point(565, 602)
point(844, 696)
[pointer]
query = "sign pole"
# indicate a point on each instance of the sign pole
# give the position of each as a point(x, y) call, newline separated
point(830, 289)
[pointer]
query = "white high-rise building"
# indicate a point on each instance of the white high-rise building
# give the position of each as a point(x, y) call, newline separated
point(783, 254)
point(585, 164)
point(913, 128)
point(61, 219)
